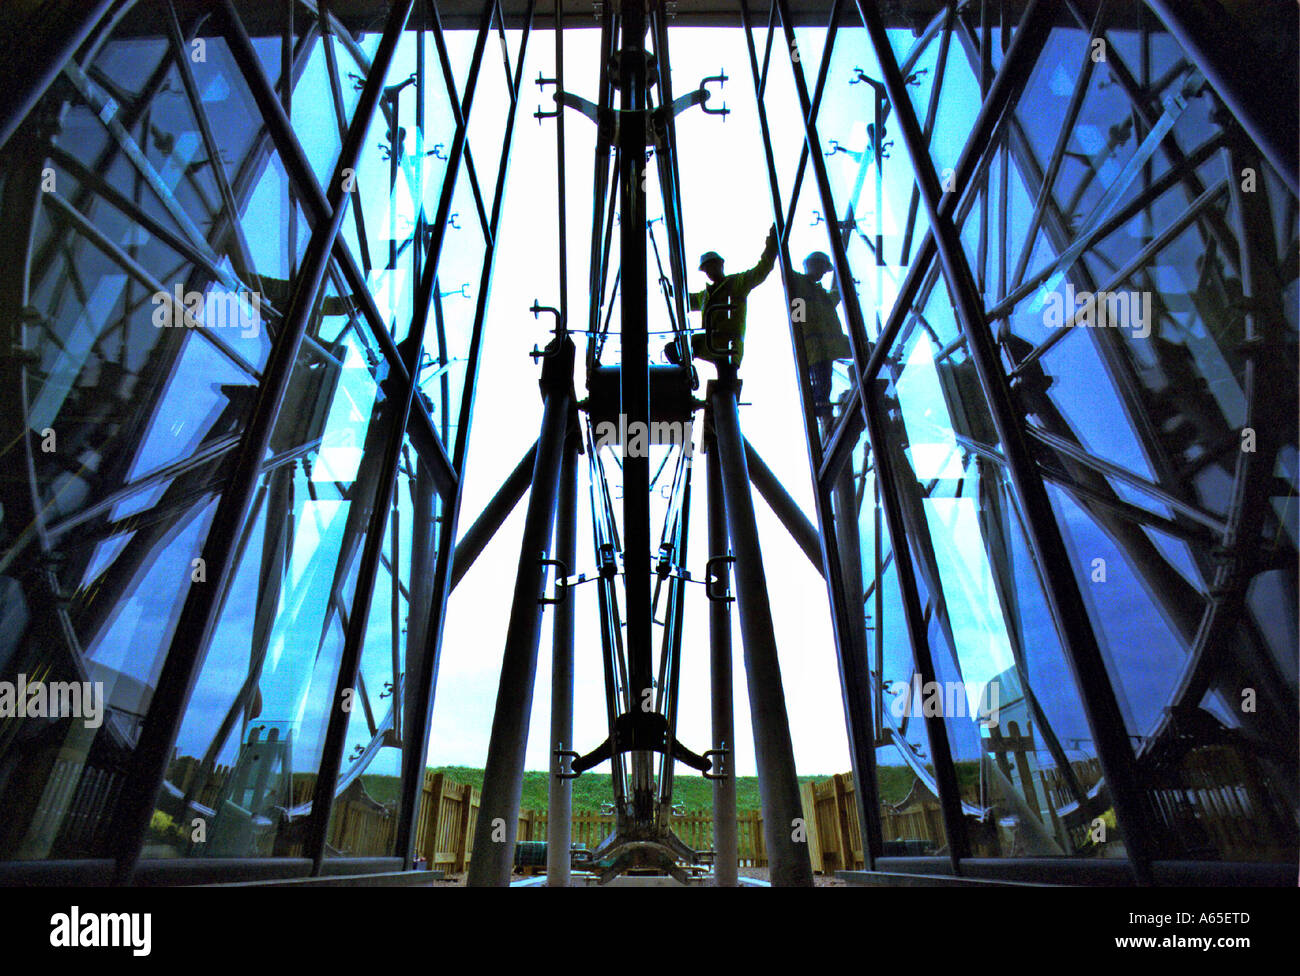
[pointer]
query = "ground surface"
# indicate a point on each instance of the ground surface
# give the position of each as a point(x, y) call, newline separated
point(821, 881)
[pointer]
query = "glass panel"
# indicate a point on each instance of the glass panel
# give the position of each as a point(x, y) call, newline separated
point(249, 748)
point(1215, 796)
point(871, 182)
point(86, 667)
point(1023, 751)
point(911, 823)
point(398, 185)
point(364, 818)
point(784, 116)
point(816, 311)
point(447, 333)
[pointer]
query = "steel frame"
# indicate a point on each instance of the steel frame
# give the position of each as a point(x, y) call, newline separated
point(325, 211)
point(1030, 455)
point(988, 141)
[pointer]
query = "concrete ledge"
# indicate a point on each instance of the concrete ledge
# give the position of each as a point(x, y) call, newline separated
point(887, 879)
point(387, 879)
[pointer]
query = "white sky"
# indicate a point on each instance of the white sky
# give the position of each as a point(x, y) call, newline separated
point(727, 208)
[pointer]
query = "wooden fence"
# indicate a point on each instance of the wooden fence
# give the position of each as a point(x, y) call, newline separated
point(445, 831)
point(1212, 795)
point(449, 811)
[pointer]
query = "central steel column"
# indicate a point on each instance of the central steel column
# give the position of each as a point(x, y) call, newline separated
point(559, 818)
point(503, 777)
point(778, 784)
point(635, 378)
point(726, 848)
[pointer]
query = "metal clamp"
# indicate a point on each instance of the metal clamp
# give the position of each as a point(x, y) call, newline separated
point(664, 565)
point(539, 114)
point(607, 560)
point(537, 309)
point(721, 79)
point(711, 577)
point(561, 755)
point(710, 332)
point(722, 754)
point(561, 585)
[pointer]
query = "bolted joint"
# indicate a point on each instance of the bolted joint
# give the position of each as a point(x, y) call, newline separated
point(649, 66)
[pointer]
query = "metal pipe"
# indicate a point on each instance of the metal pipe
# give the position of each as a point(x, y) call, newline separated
point(784, 507)
point(414, 758)
point(849, 635)
point(392, 419)
point(635, 375)
point(778, 783)
point(503, 775)
point(726, 847)
point(559, 816)
point(560, 177)
point(493, 516)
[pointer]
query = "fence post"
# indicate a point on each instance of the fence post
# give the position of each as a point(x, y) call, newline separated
point(857, 845)
point(431, 798)
point(464, 844)
point(808, 793)
point(842, 822)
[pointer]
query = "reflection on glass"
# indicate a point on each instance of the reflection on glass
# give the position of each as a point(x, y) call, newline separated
point(251, 738)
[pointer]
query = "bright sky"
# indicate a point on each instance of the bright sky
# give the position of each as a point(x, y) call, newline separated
point(727, 208)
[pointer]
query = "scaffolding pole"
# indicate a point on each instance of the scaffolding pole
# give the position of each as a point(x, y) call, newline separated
point(778, 784)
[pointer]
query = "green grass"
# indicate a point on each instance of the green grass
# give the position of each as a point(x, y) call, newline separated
point(590, 790)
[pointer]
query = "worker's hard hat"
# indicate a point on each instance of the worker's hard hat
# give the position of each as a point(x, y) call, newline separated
point(708, 256)
point(817, 260)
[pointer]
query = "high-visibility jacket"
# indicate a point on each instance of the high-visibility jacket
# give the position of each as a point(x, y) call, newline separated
point(812, 312)
point(732, 290)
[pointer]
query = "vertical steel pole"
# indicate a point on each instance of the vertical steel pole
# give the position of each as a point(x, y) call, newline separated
point(849, 633)
point(726, 848)
point(559, 817)
point(945, 773)
point(778, 783)
point(503, 777)
point(413, 759)
point(560, 176)
point(635, 377)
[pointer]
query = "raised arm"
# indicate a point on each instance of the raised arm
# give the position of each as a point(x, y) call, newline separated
point(756, 275)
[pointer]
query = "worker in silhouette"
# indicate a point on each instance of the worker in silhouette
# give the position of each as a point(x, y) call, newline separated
point(722, 306)
point(812, 312)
